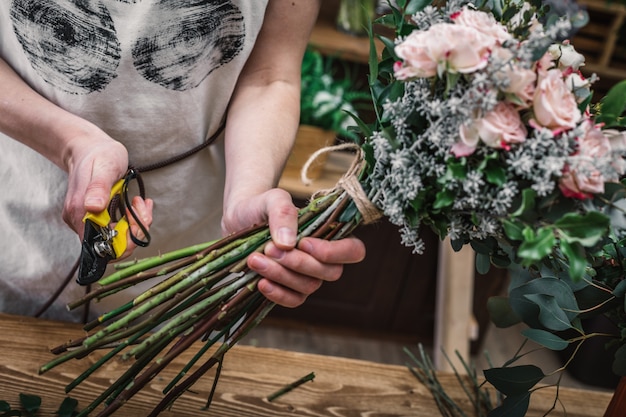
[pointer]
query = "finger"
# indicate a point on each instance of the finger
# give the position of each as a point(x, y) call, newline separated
point(293, 273)
point(343, 251)
point(98, 190)
point(143, 209)
point(280, 295)
point(282, 219)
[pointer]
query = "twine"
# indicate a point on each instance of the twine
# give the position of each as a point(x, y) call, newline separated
point(349, 182)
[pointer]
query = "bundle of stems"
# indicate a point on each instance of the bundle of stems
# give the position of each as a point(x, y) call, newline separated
point(206, 293)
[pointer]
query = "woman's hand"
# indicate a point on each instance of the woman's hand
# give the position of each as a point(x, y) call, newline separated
point(292, 270)
point(94, 164)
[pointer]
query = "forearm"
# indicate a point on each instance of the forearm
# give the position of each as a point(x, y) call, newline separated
point(31, 119)
point(264, 113)
point(261, 129)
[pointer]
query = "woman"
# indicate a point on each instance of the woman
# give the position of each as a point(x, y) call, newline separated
point(87, 88)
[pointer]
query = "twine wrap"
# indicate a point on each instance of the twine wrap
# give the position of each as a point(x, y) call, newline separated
point(349, 182)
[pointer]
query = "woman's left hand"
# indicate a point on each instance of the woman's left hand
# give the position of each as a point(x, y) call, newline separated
point(291, 270)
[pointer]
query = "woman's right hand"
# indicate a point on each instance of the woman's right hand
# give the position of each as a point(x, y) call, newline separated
point(94, 164)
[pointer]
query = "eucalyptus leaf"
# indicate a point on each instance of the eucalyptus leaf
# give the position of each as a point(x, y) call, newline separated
point(620, 289)
point(501, 313)
point(514, 380)
point(483, 263)
point(30, 403)
point(512, 406)
point(415, 6)
point(551, 314)
point(529, 308)
point(546, 339)
point(619, 363)
point(67, 407)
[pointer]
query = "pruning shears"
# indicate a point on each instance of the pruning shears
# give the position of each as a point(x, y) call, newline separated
point(105, 232)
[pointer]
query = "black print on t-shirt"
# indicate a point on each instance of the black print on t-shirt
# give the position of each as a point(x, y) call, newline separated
point(73, 45)
point(192, 40)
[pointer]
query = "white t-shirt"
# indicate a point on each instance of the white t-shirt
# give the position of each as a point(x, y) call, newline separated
point(156, 75)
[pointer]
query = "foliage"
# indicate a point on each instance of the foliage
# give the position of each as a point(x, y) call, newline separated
point(328, 100)
point(31, 404)
point(433, 155)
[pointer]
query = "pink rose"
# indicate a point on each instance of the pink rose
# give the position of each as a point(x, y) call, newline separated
point(443, 47)
point(554, 103)
point(521, 88)
point(482, 22)
point(500, 128)
point(584, 180)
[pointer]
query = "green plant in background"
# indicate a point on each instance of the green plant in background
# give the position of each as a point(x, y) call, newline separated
point(327, 100)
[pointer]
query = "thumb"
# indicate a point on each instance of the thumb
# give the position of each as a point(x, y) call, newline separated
point(98, 190)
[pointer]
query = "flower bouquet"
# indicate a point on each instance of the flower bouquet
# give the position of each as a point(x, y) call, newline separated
point(485, 132)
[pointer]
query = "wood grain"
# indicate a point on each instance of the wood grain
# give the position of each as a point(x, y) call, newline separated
point(342, 387)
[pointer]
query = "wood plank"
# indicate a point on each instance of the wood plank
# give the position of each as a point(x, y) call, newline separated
point(342, 387)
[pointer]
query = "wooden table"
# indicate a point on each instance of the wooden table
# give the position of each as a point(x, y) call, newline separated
point(342, 387)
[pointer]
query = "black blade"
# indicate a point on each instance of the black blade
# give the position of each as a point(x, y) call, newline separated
point(92, 266)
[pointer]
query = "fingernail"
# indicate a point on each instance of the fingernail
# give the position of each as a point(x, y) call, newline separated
point(305, 246)
point(94, 201)
point(273, 252)
point(286, 236)
point(258, 262)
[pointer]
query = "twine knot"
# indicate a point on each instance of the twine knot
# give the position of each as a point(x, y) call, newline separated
point(349, 182)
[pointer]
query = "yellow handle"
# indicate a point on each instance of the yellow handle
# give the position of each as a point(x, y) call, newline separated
point(103, 219)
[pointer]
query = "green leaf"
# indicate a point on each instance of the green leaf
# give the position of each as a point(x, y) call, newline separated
point(587, 229)
point(4, 406)
point(415, 6)
point(613, 105)
point(512, 406)
point(619, 364)
point(576, 257)
point(514, 380)
point(67, 407)
point(513, 229)
point(545, 338)
point(373, 56)
point(551, 315)
point(30, 403)
point(528, 309)
point(495, 175)
point(501, 313)
point(528, 202)
point(444, 198)
point(483, 263)
point(537, 246)
point(620, 289)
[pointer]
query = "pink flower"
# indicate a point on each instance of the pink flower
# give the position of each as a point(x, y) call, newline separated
point(500, 128)
point(482, 22)
point(554, 103)
point(521, 88)
point(584, 180)
point(443, 47)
